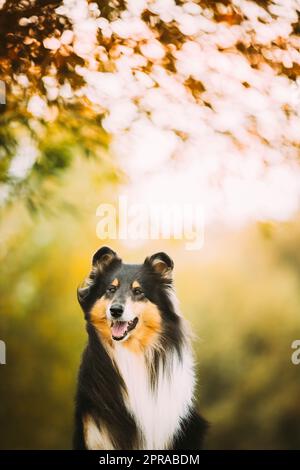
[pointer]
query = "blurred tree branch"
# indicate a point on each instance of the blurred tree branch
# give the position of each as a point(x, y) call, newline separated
point(38, 59)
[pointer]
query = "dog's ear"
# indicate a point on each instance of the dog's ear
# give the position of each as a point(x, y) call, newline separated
point(162, 264)
point(103, 257)
point(102, 260)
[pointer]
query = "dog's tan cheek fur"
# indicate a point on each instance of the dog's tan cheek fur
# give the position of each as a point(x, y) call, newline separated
point(99, 320)
point(148, 328)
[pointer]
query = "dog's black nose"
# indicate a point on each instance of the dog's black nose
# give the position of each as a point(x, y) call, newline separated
point(116, 310)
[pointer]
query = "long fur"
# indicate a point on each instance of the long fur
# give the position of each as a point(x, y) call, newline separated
point(136, 394)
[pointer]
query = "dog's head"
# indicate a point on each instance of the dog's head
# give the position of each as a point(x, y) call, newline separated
point(128, 302)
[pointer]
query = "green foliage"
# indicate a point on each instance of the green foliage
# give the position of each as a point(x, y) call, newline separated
point(7, 149)
point(75, 133)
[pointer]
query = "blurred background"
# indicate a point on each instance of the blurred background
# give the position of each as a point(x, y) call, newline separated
point(169, 102)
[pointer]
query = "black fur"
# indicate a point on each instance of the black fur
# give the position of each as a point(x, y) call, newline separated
point(99, 395)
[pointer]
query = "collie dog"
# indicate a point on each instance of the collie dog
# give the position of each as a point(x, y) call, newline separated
point(136, 380)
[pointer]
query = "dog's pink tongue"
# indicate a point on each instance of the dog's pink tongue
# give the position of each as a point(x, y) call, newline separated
point(119, 329)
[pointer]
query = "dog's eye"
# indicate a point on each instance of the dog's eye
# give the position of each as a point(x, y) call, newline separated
point(137, 291)
point(111, 289)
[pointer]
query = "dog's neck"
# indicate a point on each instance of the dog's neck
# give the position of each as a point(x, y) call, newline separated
point(155, 387)
point(159, 391)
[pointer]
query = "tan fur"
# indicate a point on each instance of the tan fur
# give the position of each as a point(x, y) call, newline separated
point(147, 329)
point(99, 319)
point(161, 268)
point(115, 282)
point(135, 284)
point(94, 438)
point(144, 334)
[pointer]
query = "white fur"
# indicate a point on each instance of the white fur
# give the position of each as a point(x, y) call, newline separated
point(158, 413)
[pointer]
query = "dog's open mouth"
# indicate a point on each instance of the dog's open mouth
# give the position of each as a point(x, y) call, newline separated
point(120, 329)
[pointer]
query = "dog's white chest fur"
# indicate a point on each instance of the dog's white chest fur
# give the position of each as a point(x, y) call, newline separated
point(157, 412)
